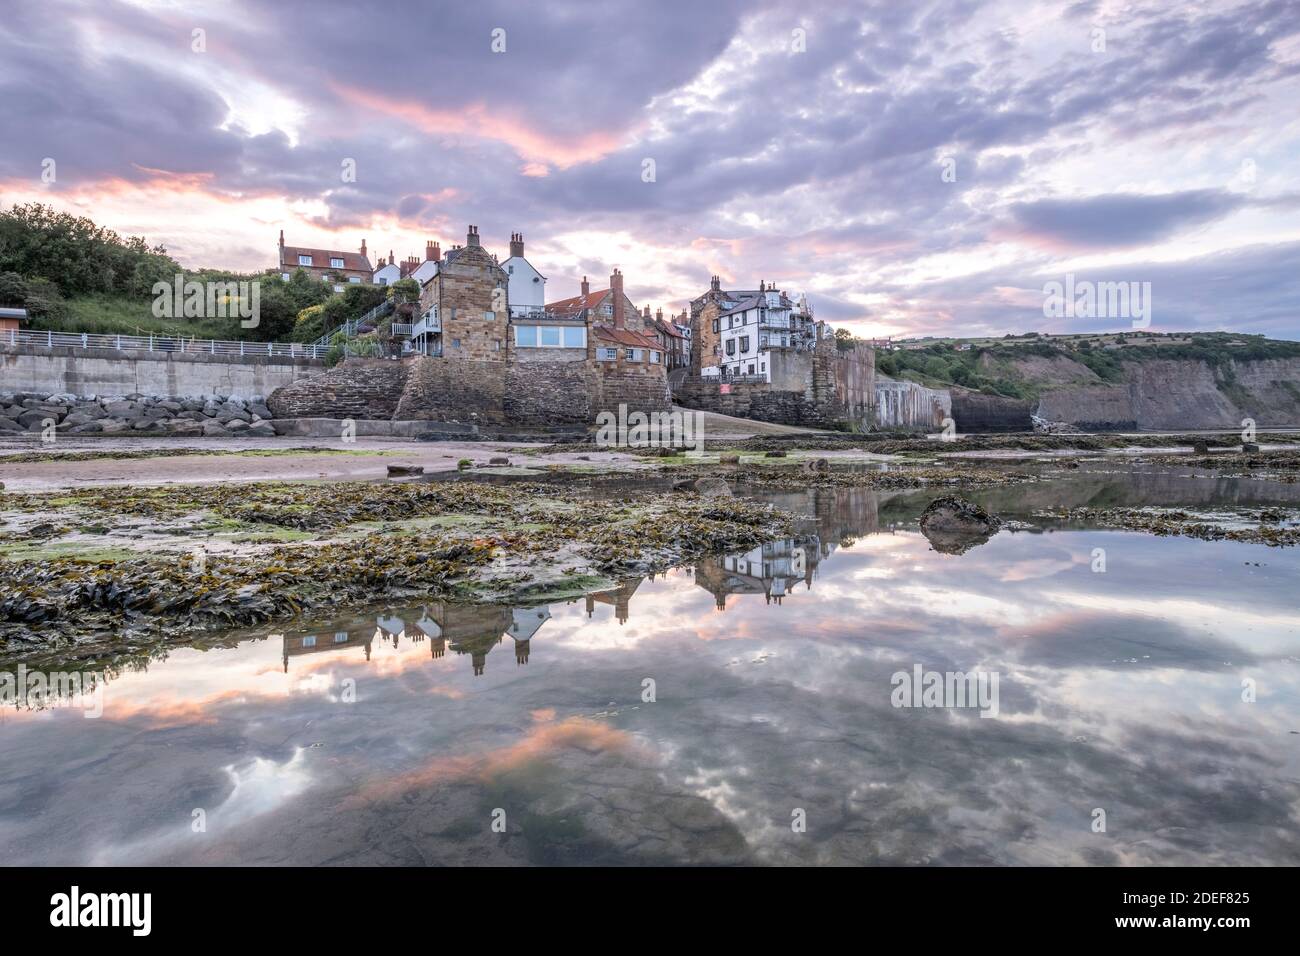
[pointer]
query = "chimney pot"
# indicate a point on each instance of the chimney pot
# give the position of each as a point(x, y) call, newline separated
point(516, 244)
point(586, 286)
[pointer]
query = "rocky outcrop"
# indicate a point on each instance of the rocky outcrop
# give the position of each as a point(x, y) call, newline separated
point(1172, 394)
point(212, 415)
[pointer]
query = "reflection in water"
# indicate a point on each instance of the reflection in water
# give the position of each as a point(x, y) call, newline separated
point(1119, 690)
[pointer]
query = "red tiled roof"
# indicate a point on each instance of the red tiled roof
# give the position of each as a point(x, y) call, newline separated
point(667, 328)
point(320, 258)
point(591, 300)
point(626, 337)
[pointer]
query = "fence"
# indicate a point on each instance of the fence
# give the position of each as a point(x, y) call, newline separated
point(159, 343)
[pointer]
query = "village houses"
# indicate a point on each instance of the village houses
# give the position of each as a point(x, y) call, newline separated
point(737, 330)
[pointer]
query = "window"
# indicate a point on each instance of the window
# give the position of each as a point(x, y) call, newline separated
point(744, 343)
point(284, 276)
point(340, 637)
point(337, 287)
point(575, 338)
point(489, 316)
point(309, 640)
point(654, 357)
point(633, 355)
point(715, 325)
point(607, 355)
point(455, 343)
point(304, 260)
point(731, 346)
point(354, 279)
point(526, 336)
point(549, 335)
point(336, 263)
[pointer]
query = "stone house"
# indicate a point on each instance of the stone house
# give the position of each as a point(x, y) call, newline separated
point(329, 265)
point(462, 311)
point(706, 326)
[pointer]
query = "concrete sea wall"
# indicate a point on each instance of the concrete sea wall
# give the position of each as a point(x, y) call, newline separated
point(113, 373)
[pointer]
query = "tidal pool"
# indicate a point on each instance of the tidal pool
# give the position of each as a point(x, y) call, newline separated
point(738, 711)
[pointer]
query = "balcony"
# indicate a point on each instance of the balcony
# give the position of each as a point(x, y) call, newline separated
point(426, 325)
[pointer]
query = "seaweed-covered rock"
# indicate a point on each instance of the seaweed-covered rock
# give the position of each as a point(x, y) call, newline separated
point(954, 525)
point(713, 487)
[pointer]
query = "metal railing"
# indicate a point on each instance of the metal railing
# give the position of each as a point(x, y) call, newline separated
point(401, 329)
point(349, 328)
point(158, 343)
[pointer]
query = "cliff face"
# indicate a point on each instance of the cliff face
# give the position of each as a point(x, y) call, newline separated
point(1181, 394)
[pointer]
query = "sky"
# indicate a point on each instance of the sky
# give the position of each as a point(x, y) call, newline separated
point(917, 168)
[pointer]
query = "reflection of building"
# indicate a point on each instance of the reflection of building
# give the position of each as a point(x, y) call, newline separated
point(618, 597)
point(772, 570)
point(296, 645)
point(466, 629)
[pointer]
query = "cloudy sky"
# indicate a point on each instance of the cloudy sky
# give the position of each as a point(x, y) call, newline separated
point(804, 143)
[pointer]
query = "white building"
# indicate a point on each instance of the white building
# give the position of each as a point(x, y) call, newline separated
point(756, 325)
point(421, 270)
point(526, 287)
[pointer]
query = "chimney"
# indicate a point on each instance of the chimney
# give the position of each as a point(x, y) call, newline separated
point(471, 237)
point(659, 314)
point(616, 290)
point(433, 252)
point(715, 284)
point(391, 260)
point(516, 245)
point(586, 287)
point(281, 238)
point(646, 312)
point(363, 248)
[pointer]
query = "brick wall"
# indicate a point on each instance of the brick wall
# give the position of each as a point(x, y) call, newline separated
point(356, 388)
point(453, 390)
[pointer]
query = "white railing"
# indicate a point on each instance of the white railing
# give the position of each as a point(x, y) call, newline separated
point(158, 343)
point(425, 325)
point(400, 328)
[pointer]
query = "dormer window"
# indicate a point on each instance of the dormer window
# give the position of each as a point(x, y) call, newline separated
point(336, 263)
point(304, 260)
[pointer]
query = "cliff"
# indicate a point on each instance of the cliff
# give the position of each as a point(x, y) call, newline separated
point(1164, 394)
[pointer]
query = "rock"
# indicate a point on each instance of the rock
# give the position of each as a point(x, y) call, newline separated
point(9, 425)
point(143, 424)
point(112, 425)
point(262, 430)
point(214, 429)
point(684, 484)
point(118, 409)
point(1200, 447)
point(1247, 447)
point(259, 410)
point(728, 459)
point(713, 487)
point(87, 428)
point(35, 416)
point(401, 471)
point(498, 460)
point(236, 426)
point(954, 525)
point(775, 454)
point(814, 466)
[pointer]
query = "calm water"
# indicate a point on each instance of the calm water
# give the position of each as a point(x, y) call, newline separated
point(402, 735)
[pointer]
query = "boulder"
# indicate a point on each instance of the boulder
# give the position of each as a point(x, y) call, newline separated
point(498, 460)
point(87, 428)
point(9, 425)
point(954, 525)
point(816, 466)
point(775, 454)
point(1200, 447)
point(712, 486)
point(1247, 447)
point(728, 459)
point(403, 471)
point(113, 425)
point(237, 426)
point(214, 429)
point(261, 430)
